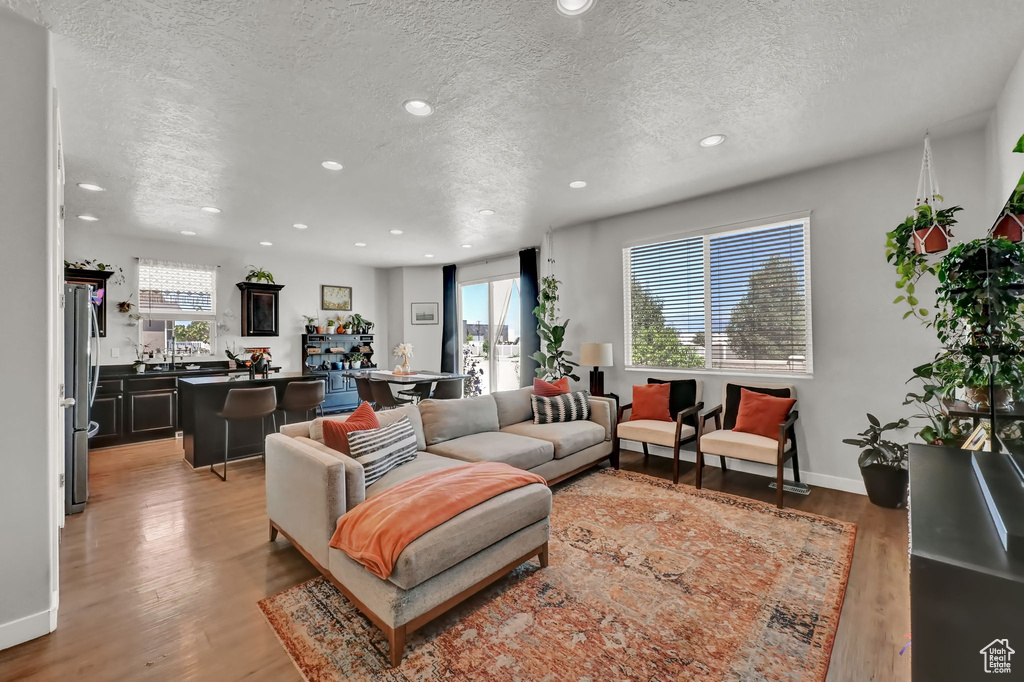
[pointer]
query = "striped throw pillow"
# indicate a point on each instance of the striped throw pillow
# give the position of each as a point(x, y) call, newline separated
point(561, 408)
point(381, 450)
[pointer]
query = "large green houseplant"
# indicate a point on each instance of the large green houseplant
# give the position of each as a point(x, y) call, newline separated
point(883, 463)
point(553, 361)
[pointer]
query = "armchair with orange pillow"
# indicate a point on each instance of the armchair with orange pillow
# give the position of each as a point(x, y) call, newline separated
point(755, 422)
point(661, 413)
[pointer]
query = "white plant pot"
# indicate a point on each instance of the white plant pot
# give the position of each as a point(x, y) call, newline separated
point(139, 369)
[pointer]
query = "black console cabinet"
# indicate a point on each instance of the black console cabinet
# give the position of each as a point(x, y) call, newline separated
point(966, 591)
point(261, 314)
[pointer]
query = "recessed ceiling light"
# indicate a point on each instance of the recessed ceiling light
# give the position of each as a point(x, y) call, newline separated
point(486, 211)
point(88, 218)
point(572, 8)
point(418, 107)
point(91, 187)
point(712, 140)
point(188, 233)
point(331, 165)
point(578, 184)
point(396, 232)
point(467, 246)
point(428, 255)
point(211, 209)
point(360, 244)
point(300, 226)
point(266, 243)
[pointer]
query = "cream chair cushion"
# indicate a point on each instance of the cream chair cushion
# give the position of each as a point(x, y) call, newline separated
point(748, 446)
point(654, 431)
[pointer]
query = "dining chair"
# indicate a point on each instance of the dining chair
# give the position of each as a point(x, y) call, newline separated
point(363, 389)
point(448, 389)
point(418, 392)
point(383, 398)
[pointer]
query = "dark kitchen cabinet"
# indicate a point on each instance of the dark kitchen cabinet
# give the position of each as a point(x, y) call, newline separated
point(152, 414)
point(106, 411)
point(261, 312)
point(97, 279)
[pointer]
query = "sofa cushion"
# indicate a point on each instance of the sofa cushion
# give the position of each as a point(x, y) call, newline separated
point(336, 430)
point(513, 406)
point(566, 437)
point(561, 408)
point(741, 445)
point(654, 431)
point(550, 388)
point(423, 464)
point(384, 417)
point(519, 451)
point(447, 419)
point(470, 532)
point(381, 450)
point(761, 414)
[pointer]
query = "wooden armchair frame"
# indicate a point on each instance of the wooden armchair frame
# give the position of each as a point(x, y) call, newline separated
point(679, 440)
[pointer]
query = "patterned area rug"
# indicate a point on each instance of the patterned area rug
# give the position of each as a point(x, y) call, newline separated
point(647, 581)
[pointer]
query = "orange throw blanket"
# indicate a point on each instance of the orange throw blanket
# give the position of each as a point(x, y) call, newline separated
point(376, 531)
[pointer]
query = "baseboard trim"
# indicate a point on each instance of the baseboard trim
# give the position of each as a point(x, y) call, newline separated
point(847, 485)
point(29, 627)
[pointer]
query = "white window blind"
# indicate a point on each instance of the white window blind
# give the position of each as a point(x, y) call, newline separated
point(731, 300)
point(170, 291)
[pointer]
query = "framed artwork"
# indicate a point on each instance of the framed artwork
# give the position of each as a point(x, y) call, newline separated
point(425, 313)
point(335, 298)
point(977, 439)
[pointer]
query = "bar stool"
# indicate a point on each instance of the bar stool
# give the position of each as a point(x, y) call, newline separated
point(304, 396)
point(244, 404)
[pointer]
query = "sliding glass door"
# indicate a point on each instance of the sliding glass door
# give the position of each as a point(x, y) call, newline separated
point(490, 334)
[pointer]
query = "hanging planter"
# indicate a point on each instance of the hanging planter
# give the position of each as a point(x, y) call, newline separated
point(1009, 227)
point(926, 231)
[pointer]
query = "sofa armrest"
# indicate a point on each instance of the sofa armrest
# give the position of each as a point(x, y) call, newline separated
point(305, 493)
point(602, 411)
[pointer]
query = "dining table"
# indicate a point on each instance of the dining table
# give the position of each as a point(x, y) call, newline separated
point(422, 377)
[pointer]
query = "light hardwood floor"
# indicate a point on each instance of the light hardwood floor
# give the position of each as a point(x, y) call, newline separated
point(161, 574)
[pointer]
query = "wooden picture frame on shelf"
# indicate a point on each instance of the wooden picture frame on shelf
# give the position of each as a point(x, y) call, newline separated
point(335, 297)
point(977, 439)
point(425, 313)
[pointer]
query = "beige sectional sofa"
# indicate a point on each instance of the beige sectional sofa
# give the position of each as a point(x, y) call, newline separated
point(309, 486)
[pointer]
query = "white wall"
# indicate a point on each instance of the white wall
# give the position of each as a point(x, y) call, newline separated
point(863, 351)
point(408, 286)
point(301, 275)
point(1005, 128)
point(29, 406)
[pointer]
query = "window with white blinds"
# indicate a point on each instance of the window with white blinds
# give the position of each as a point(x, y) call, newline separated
point(735, 300)
point(170, 291)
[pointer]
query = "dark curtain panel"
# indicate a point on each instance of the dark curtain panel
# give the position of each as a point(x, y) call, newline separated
point(450, 326)
point(529, 288)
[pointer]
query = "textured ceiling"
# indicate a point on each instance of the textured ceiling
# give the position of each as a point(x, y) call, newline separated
point(176, 104)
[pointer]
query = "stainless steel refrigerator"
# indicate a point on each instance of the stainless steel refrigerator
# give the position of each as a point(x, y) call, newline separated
point(81, 372)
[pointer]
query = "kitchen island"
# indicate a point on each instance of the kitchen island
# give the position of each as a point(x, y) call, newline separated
point(202, 398)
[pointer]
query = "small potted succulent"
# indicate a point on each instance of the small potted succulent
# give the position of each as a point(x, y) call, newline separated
point(330, 325)
point(883, 463)
point(355, 360)
point(310, 324)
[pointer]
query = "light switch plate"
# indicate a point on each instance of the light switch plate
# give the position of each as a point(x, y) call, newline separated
point(115, 352)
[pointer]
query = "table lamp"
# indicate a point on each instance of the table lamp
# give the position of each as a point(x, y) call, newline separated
point(596, 355)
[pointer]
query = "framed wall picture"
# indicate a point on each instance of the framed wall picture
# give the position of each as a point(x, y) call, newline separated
point(335, 298)
point(425, 313)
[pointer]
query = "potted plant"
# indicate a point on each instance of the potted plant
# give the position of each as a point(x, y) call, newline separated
point(553, 360)
point(260, 360)
point(355, 360)
point(883, 463)
point(259, 275)
point(310, 324)
point(330, 325)
point(404, 351)
point(906, 248)
point(126, 305)
point(1012, 222)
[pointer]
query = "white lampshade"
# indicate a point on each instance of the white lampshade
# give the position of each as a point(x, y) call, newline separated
point(596, 355)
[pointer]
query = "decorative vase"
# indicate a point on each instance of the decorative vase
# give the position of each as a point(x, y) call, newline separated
point(886, 486)
point(405, 365)
point(319, 330)
point(311, 329)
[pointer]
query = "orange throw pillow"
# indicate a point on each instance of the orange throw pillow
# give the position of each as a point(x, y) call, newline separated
point(651, 402)
point(336, 433)
point(761, 414)
point(547, 389)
